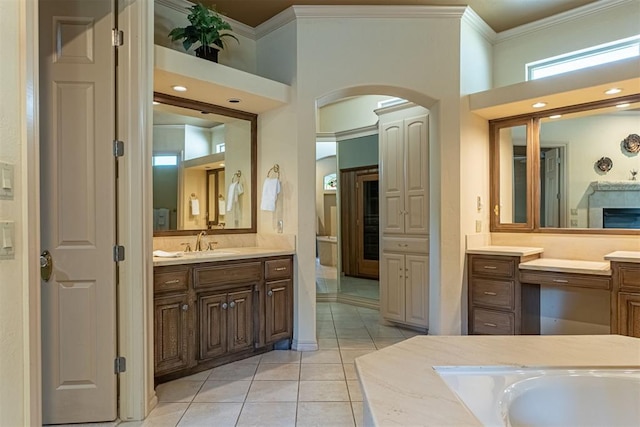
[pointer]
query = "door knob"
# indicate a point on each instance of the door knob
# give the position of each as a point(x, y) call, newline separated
point(232, 304)
point(46, 265)
point(185, 307)
point(224, 305)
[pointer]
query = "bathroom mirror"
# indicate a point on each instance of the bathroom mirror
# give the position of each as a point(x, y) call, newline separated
point(204, 168)
point(581, 165)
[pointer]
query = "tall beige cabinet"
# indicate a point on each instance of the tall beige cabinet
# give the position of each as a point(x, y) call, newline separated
point(404, 214)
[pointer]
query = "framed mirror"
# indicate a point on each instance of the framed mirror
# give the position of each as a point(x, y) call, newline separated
point(204, 168)
point(582, 167)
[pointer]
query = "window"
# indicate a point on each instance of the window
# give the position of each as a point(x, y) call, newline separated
point(330, 181)
point(165, 160)
point(220, 148)
point(597, 55)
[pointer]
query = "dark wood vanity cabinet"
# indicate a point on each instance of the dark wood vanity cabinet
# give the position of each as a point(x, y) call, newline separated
point(208, 314)
point(498, 303)
point(625, 299)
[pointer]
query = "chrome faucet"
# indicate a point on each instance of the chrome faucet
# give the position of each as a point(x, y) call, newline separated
point(199, 241)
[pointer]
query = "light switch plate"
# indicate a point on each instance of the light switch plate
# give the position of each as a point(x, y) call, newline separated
point(7, 181)
point(7, 240)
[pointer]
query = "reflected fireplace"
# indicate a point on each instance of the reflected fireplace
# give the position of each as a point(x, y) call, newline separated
point(621, 218)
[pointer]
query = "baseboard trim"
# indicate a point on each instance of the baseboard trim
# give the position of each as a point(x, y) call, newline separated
point(358, 301)
point(304, 345)
point(326, 297)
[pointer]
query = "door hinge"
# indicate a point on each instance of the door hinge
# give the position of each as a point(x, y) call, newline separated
point(118, 253)
point(120, 365)
point(117, 37)
point(118, 148)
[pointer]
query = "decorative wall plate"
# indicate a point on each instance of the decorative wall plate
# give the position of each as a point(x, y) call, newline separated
point(632, 143)
point(604, 164)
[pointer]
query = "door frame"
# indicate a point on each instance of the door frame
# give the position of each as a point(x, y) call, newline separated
point(135, 315)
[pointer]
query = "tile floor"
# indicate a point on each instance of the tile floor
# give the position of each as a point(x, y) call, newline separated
point(283, 388)
point(327, 283)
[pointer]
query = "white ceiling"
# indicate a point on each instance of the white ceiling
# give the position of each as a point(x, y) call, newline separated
point(500, 15)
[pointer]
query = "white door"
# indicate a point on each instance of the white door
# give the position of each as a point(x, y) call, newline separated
point(417, 175)
point(552, 188)
point(392, 177)
point(392, 289)
point(78, 222)
point(417, 289)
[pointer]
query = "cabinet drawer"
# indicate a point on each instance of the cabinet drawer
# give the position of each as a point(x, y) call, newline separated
point(493, 293)
point(629, 278)
point(489, 322)
point(277, 269)
point(401, 244)
point(246, 272)
point(167, 279)
point(565, 279)
point(493, 267)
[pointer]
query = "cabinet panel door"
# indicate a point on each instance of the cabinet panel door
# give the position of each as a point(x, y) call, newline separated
point(629, 314)
point(417, 289)
point(278, 316)
point(171, 333)
point(392, 177)
point(213, 325)
point(392, 289)
point(240, 317)
point(417, 175)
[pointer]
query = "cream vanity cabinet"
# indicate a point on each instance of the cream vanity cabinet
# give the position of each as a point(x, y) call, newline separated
point(211, 313)
point(404, 214)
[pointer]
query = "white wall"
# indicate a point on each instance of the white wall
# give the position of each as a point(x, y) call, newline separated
point(347, 114)
point(168, 138)
point(601, 22)
point(197, 142)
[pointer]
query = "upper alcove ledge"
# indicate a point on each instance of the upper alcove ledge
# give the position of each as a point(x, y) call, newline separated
point(215, 83)
point(577, 87)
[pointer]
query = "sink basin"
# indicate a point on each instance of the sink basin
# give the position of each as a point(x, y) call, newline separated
point(209, 254)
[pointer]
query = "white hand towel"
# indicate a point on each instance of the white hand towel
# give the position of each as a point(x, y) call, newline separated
point(195, 207)
point(230, 193)
point(221, 207)
point(270, 191)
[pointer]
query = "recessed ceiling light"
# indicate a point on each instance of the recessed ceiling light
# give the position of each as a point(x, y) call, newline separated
point(613, 91)
point(222, 164)
point(625, 105)
point(234, 100)
point(178, 88)
point(539, 105)
point(555, 116)
point(156, 103)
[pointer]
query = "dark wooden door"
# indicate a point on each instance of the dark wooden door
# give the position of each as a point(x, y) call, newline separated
point(240, 318)
point(213, 325)
point(367, 226)
point(171, 333)
point(278, 310)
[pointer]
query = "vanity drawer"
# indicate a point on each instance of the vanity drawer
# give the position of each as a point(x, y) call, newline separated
point(170, 279)
point(225, 274)
point(489, 322)
point(629, 277)
point(565, 279)
point(409, 244)
point(277, 269)
point(493, 293)
point(492, 267)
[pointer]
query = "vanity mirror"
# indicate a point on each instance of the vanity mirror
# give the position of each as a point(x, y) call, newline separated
point(204, 168)
point(544, 173)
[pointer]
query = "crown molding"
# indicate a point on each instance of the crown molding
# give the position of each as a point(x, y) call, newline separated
point(325, 137)
point(378, 11)
point(475, 21)
point(182, 5)
point(561, 18)
point(357, 133)
point(281, 19)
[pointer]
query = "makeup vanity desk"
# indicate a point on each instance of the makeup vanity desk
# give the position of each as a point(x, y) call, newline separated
point(504, 288)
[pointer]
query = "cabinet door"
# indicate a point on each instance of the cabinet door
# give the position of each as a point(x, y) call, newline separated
point(171, 326)
point(240, 318)
point(213, 325)
point(392, 177)
point(417, 289)
point(392, 288)
point(629, 314)
point(416, 204)
point(278, 305)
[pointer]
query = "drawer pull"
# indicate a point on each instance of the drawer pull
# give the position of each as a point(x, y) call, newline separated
point(280, 268)
point(232, 304)
point(490, 267)
point(492, 325)
point(493, 294)
point(170, 282)
point(560, 281)
point(405, 245)
point(270, 293)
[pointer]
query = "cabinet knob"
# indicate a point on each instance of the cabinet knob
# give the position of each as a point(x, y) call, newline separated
point(232, 304)
point(491, 325)
point(224, 305)
point(185, 307)
point(270, 293)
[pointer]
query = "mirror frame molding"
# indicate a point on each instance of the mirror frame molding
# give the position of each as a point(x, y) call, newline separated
point(532, 121)
point(223, 111)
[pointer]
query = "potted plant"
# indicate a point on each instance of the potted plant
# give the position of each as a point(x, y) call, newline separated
point(207, 28)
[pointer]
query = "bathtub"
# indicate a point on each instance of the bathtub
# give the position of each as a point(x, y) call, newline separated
point(536, 397)
point(327, 250)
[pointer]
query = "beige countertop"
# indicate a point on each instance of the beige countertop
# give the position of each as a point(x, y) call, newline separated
point(222, 254)
point(505, 250)
point(623, 256)
point(401, 388)
point(600, 268)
